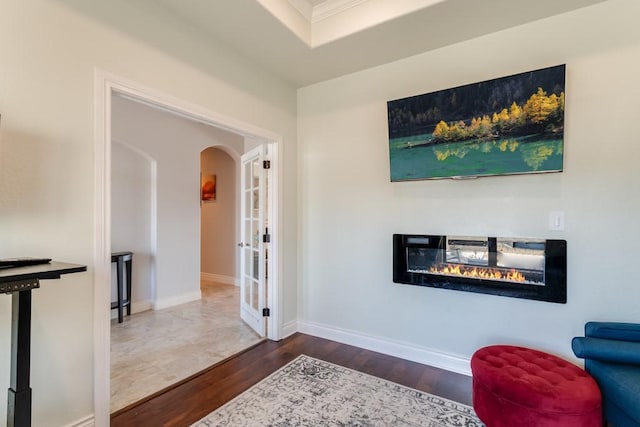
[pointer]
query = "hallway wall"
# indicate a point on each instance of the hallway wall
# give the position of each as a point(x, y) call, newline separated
point(219, 229)
point(132, 174)
point(175, 144)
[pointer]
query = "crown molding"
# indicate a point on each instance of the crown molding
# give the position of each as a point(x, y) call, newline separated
point(323, 10)
point(303, 6)
point(332, 7)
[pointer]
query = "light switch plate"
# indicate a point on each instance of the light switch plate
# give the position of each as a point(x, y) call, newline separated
point(556, 221)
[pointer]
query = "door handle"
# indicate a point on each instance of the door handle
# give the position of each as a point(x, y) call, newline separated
point(242, 244)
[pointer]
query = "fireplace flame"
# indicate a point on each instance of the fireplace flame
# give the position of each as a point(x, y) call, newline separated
point(478, 273)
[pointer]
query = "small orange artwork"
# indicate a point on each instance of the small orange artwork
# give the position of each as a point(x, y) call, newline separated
point(208, 188)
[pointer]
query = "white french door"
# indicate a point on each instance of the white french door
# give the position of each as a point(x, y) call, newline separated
point(255, 239)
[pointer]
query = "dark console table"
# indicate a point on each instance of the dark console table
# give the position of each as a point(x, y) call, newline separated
point(19, 281)
point(123, 262)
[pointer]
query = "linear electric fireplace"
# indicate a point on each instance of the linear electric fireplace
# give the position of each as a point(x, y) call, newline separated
point(507, 266)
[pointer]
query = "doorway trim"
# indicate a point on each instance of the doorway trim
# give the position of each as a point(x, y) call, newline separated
point(105, 85)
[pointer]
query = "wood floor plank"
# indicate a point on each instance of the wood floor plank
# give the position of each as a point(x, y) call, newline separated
point(190, 401)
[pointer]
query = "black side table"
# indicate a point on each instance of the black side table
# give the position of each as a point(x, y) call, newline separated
point(19, 281)
point(123, 262)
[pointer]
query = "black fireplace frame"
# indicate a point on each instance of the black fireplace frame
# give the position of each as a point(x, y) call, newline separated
point(553, 290)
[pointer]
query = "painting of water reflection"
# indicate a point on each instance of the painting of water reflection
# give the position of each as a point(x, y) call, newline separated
point(509, 125)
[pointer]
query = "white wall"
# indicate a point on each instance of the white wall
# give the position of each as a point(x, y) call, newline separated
point(219, 218)
point(350, 209)
point(50, 50)
point(132, 173)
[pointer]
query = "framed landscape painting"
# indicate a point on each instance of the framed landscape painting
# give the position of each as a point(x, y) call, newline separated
point(510, 125)
point(208, 188)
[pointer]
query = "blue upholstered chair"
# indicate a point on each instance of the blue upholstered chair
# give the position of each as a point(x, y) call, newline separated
point(612, 357)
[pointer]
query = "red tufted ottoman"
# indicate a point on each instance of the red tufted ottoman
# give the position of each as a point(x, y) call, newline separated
point(517, 386)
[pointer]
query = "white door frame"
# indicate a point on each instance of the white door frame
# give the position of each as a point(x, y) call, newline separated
point(107, 84)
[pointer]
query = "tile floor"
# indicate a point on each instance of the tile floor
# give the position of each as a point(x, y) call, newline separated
point(155, 349)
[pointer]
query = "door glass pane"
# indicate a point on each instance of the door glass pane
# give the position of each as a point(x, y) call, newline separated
point(256, 260)
point(256, 234)
point(247, 263)
point(247, 203)
point(247, 291)
point(256, 173)
point(255, 301)
point(256, 203)
point(247, 176)
point(247, 231)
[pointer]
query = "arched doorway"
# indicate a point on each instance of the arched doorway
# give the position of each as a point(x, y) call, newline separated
point(218, 216)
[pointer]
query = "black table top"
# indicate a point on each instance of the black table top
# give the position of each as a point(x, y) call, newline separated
point(52, 270)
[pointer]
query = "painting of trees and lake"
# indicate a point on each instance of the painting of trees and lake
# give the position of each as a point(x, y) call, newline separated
point(509, 125)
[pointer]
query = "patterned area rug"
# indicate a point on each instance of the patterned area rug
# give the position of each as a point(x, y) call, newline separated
point(312, 392)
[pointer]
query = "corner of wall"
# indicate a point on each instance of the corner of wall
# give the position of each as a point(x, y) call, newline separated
point(184, 298)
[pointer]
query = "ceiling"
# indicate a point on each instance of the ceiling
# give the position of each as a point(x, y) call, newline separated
point(307, 41)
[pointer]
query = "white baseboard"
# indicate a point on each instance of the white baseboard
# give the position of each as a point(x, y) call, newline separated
point(228, 280)
point(289, 329)
point(140, 306)
point(399, 349)
point(161, 303)
point(88, 421)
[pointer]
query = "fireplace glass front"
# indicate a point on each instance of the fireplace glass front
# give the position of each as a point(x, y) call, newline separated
point(516, 267)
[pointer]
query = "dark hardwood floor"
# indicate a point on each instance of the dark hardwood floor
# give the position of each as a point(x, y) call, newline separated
point(191, 400)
